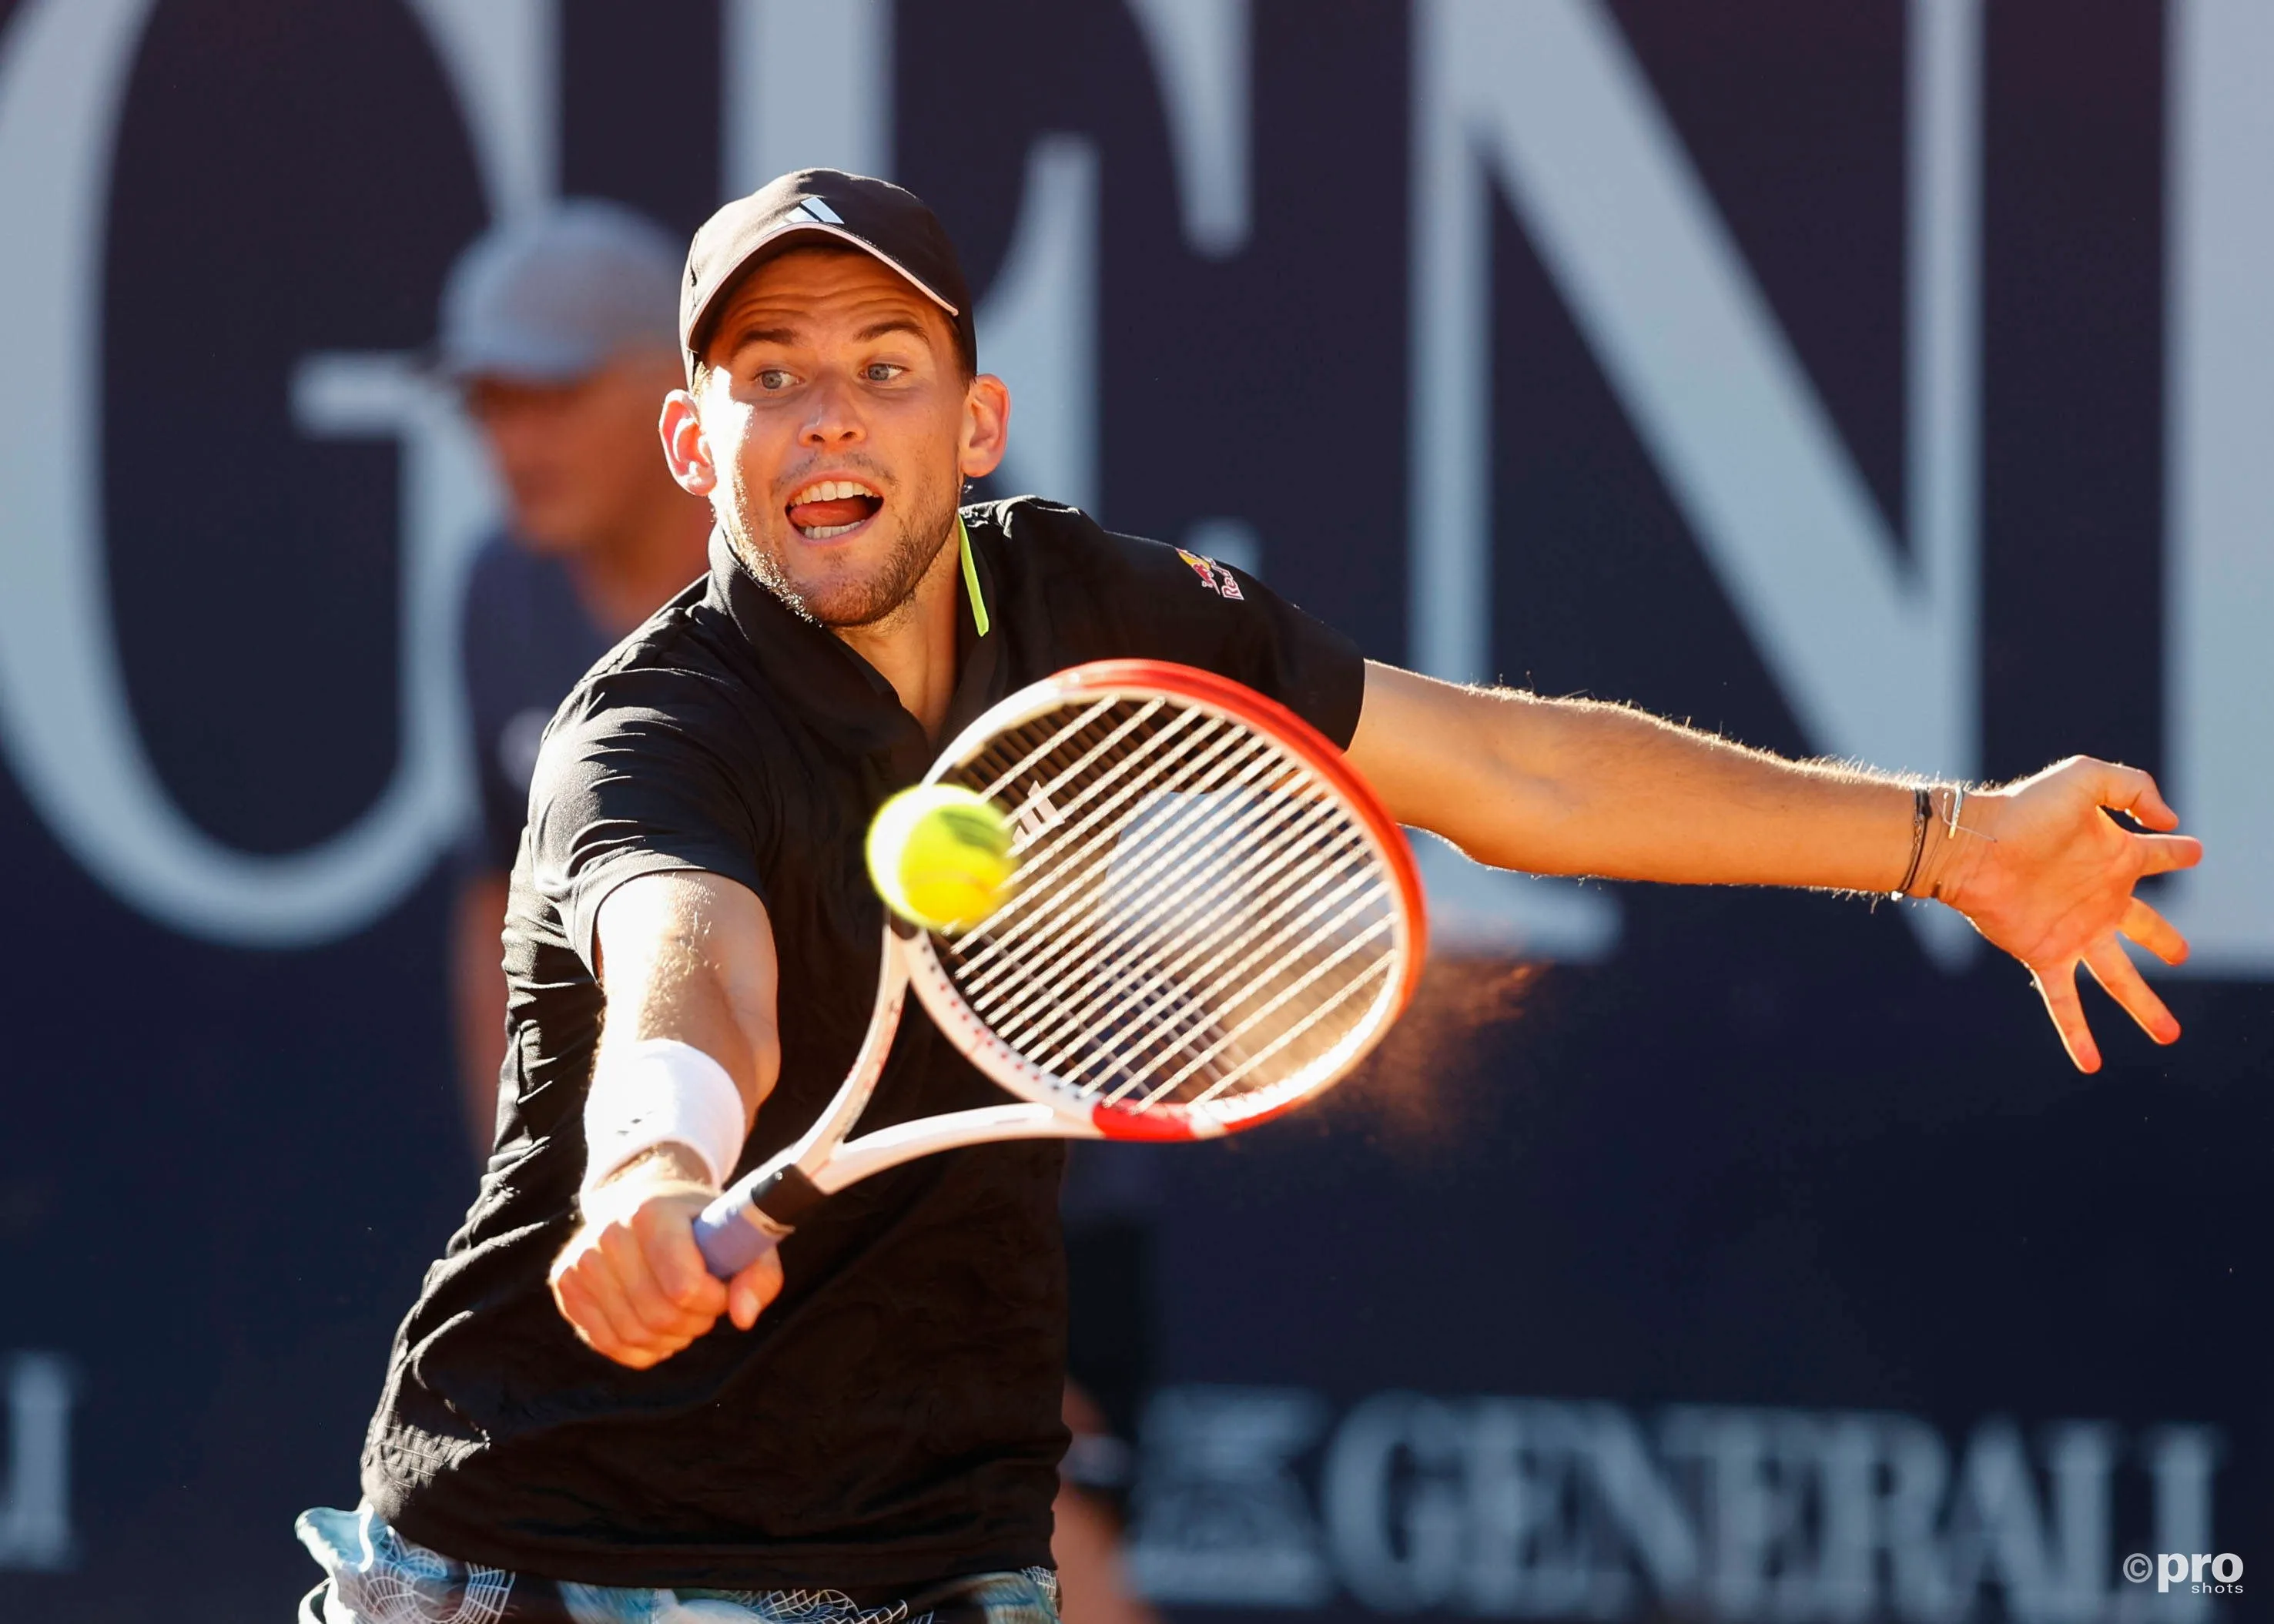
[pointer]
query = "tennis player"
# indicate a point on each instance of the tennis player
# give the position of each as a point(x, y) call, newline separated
point(579, 1423)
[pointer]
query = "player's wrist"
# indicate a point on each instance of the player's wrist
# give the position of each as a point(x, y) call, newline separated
point(1955, 843)
point(664, 1164)
point(654, 1094)
point(666, 1172)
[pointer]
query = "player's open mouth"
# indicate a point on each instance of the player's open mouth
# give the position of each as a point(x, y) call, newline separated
point(829, 507)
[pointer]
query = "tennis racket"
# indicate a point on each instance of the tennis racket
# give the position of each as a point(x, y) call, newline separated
point(1210, 920)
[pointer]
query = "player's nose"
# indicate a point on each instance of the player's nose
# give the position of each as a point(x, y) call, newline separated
point(835, 418)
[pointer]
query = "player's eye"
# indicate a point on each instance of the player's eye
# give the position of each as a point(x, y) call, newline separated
point(882, 372)
point(774, 378)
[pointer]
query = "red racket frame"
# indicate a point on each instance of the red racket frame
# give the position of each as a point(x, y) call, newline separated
point(1101, 679)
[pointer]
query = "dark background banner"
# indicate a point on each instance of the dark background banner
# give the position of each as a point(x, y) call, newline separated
point(1747, 1254)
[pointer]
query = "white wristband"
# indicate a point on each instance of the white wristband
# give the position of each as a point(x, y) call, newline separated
point(659, 1091)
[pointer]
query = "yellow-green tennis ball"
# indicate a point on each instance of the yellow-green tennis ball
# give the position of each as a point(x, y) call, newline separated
point(940, 856)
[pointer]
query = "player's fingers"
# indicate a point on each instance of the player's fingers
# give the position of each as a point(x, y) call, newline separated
point(2057, 988)
point(750, 1291)
point(2123, 982)
point(2165, 852)
point(2133, 790)
point(572, 1295)
point(2154, 932)
point(569, 1298)
point(654, 1320)
point(590, 1300)
point(668, 1326)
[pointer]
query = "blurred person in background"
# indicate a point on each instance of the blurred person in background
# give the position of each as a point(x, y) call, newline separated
point(561, 332)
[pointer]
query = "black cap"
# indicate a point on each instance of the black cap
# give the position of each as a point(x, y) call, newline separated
point(874, 215)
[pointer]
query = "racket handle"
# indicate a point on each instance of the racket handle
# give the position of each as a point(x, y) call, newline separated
point(728, 1236)
point(751, 1219)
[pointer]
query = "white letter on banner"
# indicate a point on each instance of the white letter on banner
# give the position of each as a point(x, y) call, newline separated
point(503, 59)
point(1201, 51)
point(807, 85)
point(1882, 1478)
point(1877, 657)
point(1038, 327)
point(2180, 1462)
point(2219, 660)
point(1997, 1528)
point(65, 723)
point(2081, 1462)
point(1398, 1533)
point(35, 1529)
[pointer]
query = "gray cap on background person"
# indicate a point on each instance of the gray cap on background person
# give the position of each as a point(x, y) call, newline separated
point(549, 298)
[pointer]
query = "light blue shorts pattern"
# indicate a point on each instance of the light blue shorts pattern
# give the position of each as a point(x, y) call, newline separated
point(373, 1576)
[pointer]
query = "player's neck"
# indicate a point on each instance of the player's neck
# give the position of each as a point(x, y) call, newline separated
point(628, 577)
point(913, 647)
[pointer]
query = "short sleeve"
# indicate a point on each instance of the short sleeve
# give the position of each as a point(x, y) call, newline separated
point(1281, 652)
point(633, 779)
point(1134, 596)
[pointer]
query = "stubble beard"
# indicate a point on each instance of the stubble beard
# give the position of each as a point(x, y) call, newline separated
point(920, 525)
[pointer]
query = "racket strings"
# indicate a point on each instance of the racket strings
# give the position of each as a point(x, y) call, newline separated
point(1080, 909)
point(1072, 892)
point(1200, 858)
point(1202, 1024)
point(1148, 925)
point(1050, 873)
point(1187, 1017)
point(1310, 1017)
point(1198, 920)
point(1089, 740)
point(1242, 983)
point(1169, 982)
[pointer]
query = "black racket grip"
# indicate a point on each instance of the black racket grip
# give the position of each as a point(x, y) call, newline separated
point(751, 1219)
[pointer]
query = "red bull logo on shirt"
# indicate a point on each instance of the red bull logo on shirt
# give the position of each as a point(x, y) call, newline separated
point(1213, 575)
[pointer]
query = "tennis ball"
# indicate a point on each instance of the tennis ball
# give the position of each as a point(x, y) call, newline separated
point(940, 856)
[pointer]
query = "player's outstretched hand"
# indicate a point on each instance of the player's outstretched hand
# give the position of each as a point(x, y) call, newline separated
point(631, 1282)
point(2043, 873)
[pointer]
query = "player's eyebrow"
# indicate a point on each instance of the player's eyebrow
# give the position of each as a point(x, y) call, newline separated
point(755, 333)
point(759, 331)
point(893, 324)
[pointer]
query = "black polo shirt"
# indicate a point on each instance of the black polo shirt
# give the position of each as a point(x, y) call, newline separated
point(893, 1417)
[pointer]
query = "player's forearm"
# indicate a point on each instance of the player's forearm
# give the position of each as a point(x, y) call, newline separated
point(1600, 789)
point(1565, 786)
point(690, 957)
point(694, 1010)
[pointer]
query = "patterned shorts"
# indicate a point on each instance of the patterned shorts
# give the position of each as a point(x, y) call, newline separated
point(373, 1576)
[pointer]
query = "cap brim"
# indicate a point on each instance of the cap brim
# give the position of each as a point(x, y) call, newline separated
point(522, 357)
point(773, 243)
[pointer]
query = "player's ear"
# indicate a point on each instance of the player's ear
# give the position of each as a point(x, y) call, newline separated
point(986, 426)
point(685, 447)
